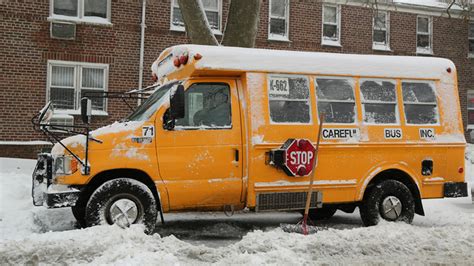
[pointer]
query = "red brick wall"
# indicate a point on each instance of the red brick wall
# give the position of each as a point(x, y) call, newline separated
point(23, 151)
point(25, 47)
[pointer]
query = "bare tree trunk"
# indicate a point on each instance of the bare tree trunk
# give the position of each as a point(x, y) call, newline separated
point(197, 26)
point(242, 23)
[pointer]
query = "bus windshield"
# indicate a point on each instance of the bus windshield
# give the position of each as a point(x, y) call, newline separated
point(144, 111)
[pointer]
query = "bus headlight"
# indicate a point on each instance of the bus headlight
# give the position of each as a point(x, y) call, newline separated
point(64, 165)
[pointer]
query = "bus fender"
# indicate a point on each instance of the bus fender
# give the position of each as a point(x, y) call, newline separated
point(407, 177)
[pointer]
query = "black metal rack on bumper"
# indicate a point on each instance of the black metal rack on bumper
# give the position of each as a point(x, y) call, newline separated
point(44, 192)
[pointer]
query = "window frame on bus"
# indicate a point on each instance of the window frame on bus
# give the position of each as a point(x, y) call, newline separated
point(432, 84)
point(309, 101)
point(396, 102)
point(207, 127)
point(354, 93)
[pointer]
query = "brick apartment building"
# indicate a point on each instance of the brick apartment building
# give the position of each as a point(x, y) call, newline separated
point(57, 49)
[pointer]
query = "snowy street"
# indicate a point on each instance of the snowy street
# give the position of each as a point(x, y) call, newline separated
point(34, 235)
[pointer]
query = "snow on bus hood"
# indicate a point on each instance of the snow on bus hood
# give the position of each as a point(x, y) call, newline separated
point(109, 135)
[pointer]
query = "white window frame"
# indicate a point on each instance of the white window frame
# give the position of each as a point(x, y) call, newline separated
point(269, 76)
point(421, 50)
point(352, 82)
point(329, 42)
point(80, 18)
point(276, 37)
point(377, 45)
point(469, 126)
point(433, 87)
point(470, 38)
point(363, 102)
point(77, 85)
point(183, 29)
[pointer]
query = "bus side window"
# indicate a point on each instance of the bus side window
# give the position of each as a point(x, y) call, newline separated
point(379, 101)
point(419, 101)
point(289, 99)
point(207, 105)
point(336, 100)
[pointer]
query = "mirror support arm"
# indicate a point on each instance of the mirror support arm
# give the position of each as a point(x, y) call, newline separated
point(84, 163)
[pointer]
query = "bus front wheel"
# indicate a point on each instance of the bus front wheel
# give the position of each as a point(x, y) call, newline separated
point(390, 200)
point(122, 201)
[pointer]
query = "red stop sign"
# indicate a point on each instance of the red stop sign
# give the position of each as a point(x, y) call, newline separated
point(298, 157)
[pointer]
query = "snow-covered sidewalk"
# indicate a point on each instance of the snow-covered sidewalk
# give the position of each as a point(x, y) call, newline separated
point(36, 235)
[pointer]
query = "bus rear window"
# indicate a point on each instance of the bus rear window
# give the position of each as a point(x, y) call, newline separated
point(419, 101)
point(336, 100)
point(289, 99)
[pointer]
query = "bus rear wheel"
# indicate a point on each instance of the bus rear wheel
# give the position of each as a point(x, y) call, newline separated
point(122, 201)
point(390, 200)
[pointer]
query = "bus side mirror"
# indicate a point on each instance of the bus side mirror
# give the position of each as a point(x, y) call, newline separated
point(86, 110)
point(177, 103)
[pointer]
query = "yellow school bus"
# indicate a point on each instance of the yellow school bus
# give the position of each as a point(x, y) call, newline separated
point(206, 139)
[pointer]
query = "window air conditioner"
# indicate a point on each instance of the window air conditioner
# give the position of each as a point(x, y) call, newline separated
point(63, 30)
point(59, 120)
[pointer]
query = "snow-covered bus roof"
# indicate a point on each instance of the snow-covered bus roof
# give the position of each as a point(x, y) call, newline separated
point(282, 61)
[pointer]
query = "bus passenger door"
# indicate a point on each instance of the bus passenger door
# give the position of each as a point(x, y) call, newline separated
point(200, 159)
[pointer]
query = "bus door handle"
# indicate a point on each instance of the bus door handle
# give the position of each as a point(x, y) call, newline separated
point(236, 155)
point(235, 162)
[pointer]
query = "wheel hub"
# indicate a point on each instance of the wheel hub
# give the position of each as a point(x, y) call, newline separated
point(391, 208)
point(123, 212)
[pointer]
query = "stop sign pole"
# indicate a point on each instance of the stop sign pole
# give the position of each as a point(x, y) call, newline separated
point(302, 226)
point(311, 179)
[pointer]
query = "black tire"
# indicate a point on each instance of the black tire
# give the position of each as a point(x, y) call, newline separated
point(106, 200)
point(323, 213)
point(393, 193)
point(79, 212)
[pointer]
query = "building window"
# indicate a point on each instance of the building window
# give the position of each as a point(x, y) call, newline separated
point(212, 8)
point(331, 33)
point(419, 102)
point(379, 101)
point(94, 11)
point(424, 35)
point(336, 100)
point(288, 98)
point(69, 81)
point(470, 109)
point(279, 18)
point(381, 31)
point(471, 39)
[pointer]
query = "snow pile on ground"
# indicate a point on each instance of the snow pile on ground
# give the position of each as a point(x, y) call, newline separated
point(18, 216)
point(32, 235)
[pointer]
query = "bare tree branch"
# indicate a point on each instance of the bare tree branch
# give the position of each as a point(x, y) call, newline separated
point(242, 23)
point(197, 26)
point(449, 7)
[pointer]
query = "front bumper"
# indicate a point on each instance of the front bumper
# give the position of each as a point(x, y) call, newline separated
point(45, 193)
point(455, 189)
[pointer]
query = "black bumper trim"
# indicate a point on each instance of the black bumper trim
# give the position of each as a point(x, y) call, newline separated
point(61, 199)
point(455, 189)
